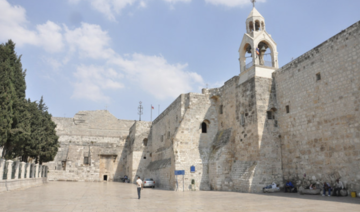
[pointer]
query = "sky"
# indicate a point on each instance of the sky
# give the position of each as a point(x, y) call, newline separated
point(112, 54)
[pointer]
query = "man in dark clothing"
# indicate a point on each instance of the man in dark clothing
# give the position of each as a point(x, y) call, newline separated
point(289, 187)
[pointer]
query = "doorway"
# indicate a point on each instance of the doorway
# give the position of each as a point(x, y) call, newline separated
point(105, 177)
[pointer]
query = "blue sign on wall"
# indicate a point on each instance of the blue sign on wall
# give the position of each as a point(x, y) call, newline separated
point(179, 172)
point(192, 168)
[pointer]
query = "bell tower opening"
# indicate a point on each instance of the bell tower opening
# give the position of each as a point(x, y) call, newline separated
point(265, 54)
point(257, 48)
point(257, 25)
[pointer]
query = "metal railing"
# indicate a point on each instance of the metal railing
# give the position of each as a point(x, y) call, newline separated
point(268, 63)
point(249, 65)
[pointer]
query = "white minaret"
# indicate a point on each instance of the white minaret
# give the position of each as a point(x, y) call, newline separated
point(257, 43)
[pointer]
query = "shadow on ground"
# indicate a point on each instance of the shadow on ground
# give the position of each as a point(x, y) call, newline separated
point(347, 199)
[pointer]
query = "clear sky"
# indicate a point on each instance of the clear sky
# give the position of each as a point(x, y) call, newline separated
point(98, 54)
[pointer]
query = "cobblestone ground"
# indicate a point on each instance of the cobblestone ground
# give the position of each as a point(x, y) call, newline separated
point(87, 196)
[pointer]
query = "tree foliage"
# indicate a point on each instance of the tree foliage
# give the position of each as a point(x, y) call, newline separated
point(26, 128)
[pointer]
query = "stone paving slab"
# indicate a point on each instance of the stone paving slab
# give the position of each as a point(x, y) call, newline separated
point(111, 196)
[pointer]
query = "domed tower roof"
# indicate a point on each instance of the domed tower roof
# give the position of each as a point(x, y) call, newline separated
point(254, 13)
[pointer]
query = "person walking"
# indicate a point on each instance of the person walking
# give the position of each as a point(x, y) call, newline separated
point(139, 184)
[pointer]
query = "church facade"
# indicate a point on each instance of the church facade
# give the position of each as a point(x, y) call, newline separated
point(300, 122)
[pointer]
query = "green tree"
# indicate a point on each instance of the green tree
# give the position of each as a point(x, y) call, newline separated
point(7, 90)
point(50, 142)
point(43, 143)
point(20, 123)
point(26, 128)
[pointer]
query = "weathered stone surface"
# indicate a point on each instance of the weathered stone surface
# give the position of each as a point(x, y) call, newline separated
point(321, 135)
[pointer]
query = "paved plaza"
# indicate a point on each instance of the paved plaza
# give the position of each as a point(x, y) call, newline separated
point(112, 196)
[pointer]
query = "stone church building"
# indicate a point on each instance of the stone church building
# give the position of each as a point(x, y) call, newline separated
point(266, 124)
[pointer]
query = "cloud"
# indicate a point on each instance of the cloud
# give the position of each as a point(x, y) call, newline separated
point(231, 3)
point(157, 77)
point(154, 74)
point(142, 4)
point(90, 41)
point(13, 25)
point(111, 8)
point(55, 64)
point(176, 1)
point(92, 81)
point(50, 37)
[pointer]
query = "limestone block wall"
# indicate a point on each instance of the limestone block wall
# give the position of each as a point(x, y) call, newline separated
point(164, 127)
point(320, 133)
point(191, 145)
point(97, 136)
point(245, 153)
point(139, 145)
point(268, 168)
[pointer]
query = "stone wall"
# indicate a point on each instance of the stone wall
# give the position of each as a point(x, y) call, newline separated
point(320, 134)
point(245, 153)
point(191, 145)
point(96, 136)
point(165, 126)
point(139, 146)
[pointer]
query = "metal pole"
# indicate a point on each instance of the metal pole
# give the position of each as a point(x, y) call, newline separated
point(140, 110)
point(150, 112)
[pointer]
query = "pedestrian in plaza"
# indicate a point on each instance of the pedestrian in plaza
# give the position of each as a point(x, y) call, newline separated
point(289, 187)
point(338, 187)
point(312, 186)
point(327, 188)
point(139, 184)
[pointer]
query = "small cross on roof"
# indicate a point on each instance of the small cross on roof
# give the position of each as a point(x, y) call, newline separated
point(253, 2)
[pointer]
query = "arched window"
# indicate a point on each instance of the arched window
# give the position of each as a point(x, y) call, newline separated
point(262, 26)
point(145, 141)
point(251, 26)
point(257, 25)
point(246, 56)
point(203, 127)
point(266, 54)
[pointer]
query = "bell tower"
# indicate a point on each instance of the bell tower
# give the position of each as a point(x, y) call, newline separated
point(258, 52)
point(256, 108)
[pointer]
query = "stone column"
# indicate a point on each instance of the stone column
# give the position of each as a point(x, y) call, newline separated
point(36, 169)
point(45, 171)
point(2, 164)
point(39, 172)
point(23, 171)
point(17, 166)
point(10, 168)
point(28, 170)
